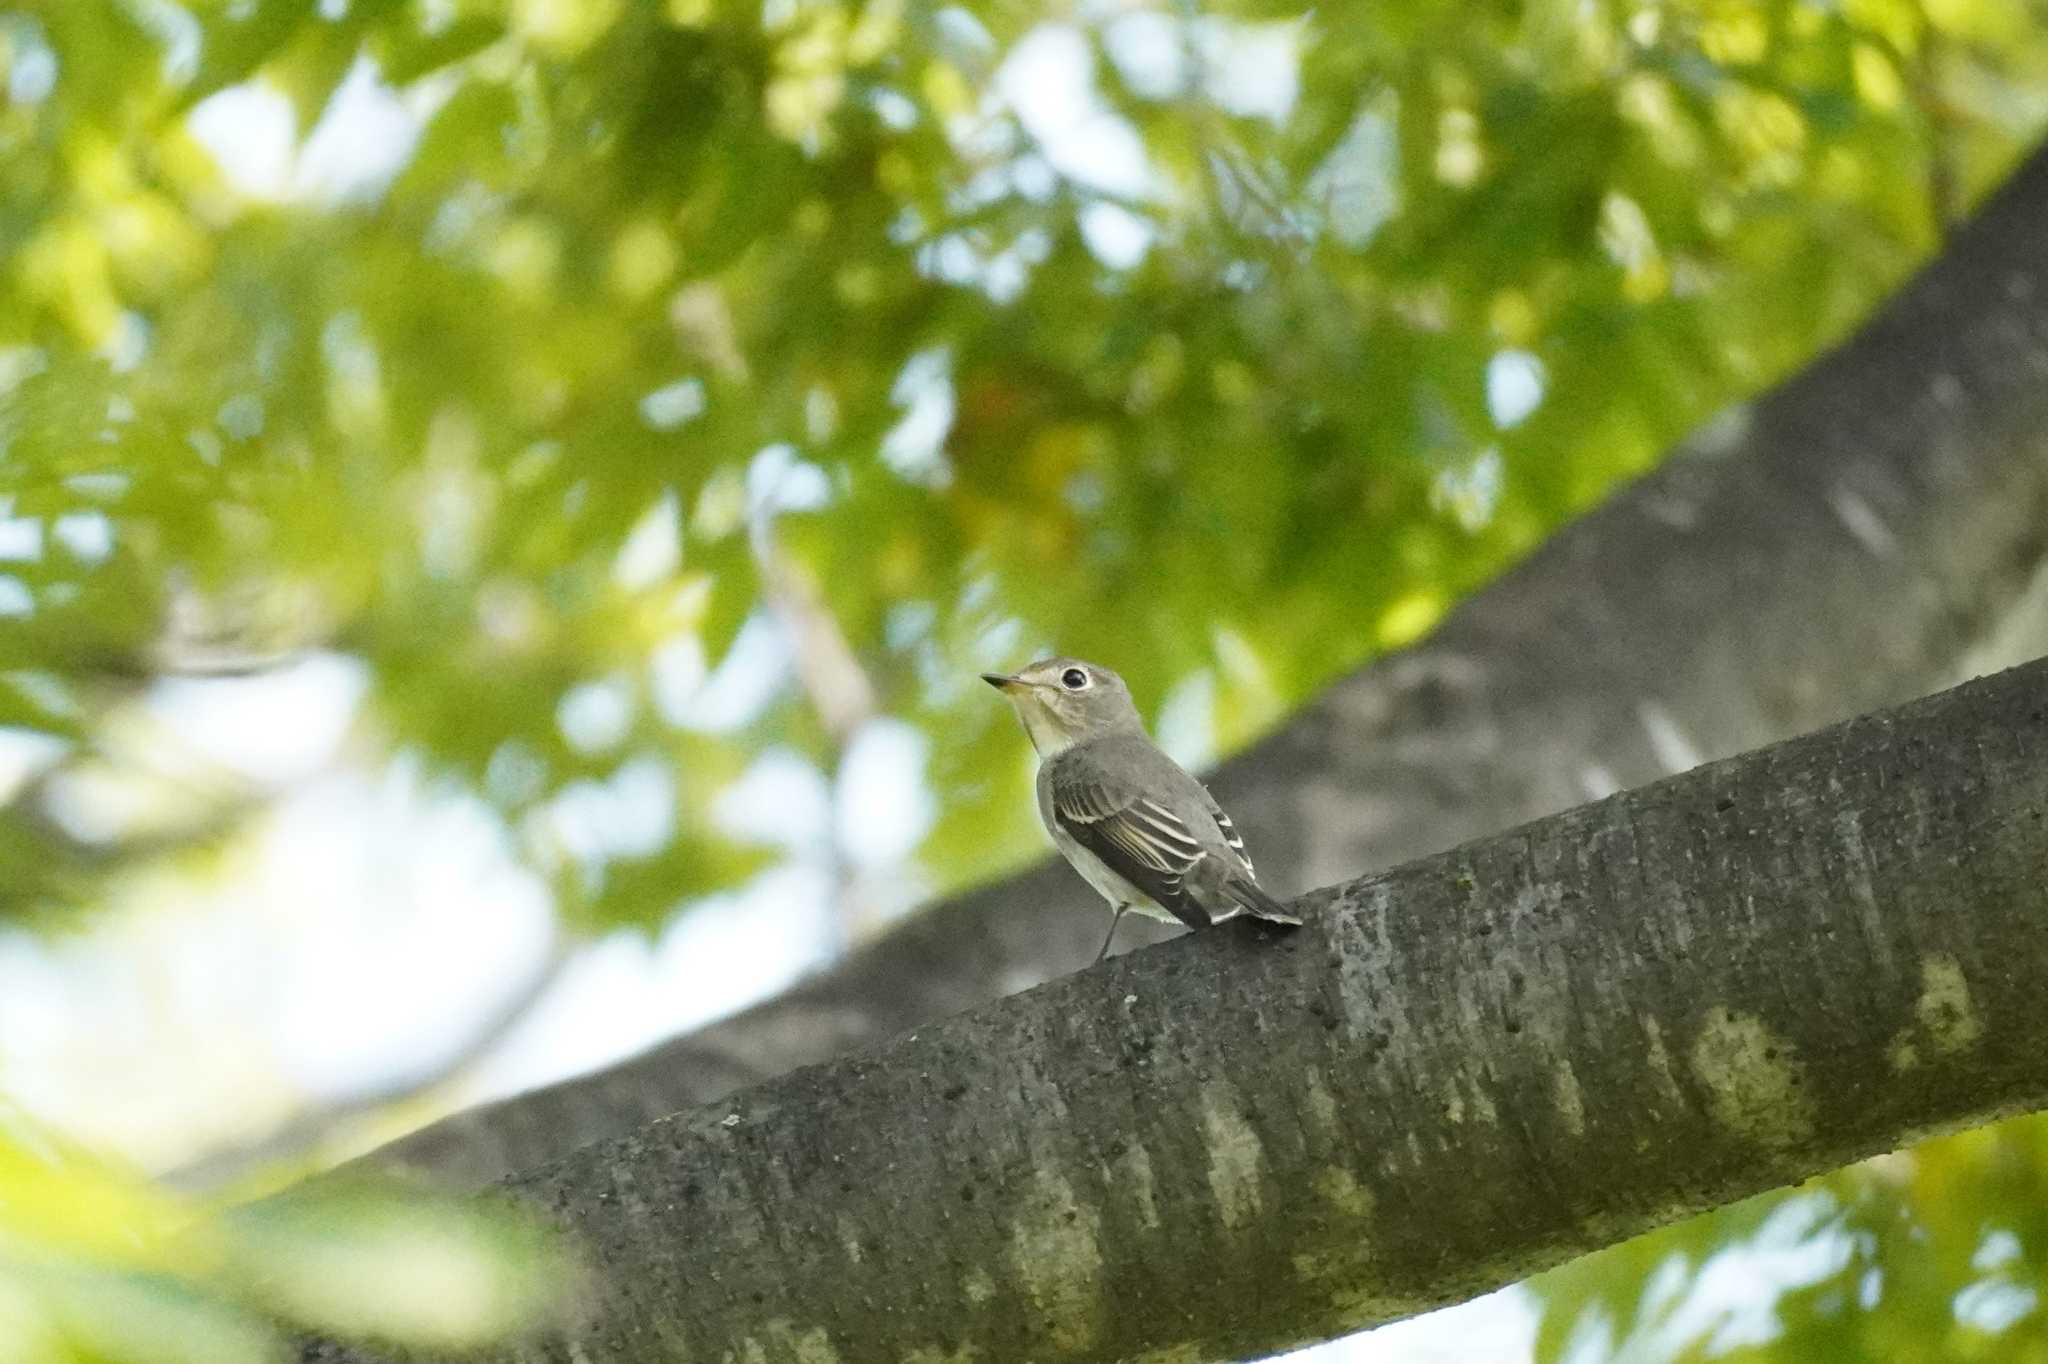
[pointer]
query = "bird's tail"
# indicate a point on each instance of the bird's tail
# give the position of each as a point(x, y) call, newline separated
point(1259, 904)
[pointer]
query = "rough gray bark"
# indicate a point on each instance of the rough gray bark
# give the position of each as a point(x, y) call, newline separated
point(1457, 1073)
point(1843, 543)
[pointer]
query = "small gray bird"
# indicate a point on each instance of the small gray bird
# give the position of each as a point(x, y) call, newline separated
point(1138, 828)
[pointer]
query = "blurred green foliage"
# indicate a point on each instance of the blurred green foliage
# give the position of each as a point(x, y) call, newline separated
point(1229, 343)
point(1940, 1253)
point(1186, 366)
point(98, 1264)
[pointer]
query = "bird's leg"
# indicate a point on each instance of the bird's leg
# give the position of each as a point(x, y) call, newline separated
point(1114, 919)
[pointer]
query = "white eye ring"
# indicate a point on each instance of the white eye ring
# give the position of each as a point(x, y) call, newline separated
point(1073, 679)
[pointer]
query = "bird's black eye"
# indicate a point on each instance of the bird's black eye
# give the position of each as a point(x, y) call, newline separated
point(1073, 679)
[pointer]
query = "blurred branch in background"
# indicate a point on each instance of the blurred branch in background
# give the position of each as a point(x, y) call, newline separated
point(832, 679)
point(322, 1128)
point(1945, 194)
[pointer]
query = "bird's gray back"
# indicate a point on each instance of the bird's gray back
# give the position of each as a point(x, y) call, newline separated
point(1130, 766)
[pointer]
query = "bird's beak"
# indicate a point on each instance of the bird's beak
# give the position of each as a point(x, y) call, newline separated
point(1002, 681)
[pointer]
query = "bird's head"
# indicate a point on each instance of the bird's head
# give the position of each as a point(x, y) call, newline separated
point(1064, 701)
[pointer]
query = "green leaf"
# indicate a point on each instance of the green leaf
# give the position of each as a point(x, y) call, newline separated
point(406, 57)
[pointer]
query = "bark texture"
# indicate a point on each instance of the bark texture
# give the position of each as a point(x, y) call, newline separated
point(1843, 543)
point(1457, 1073)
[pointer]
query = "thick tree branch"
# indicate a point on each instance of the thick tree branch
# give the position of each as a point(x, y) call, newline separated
point(1841, 544)
point(1457, 1073)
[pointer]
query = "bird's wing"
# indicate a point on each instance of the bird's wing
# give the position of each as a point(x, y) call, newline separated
point(1139, 839)
point(1229, 832)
